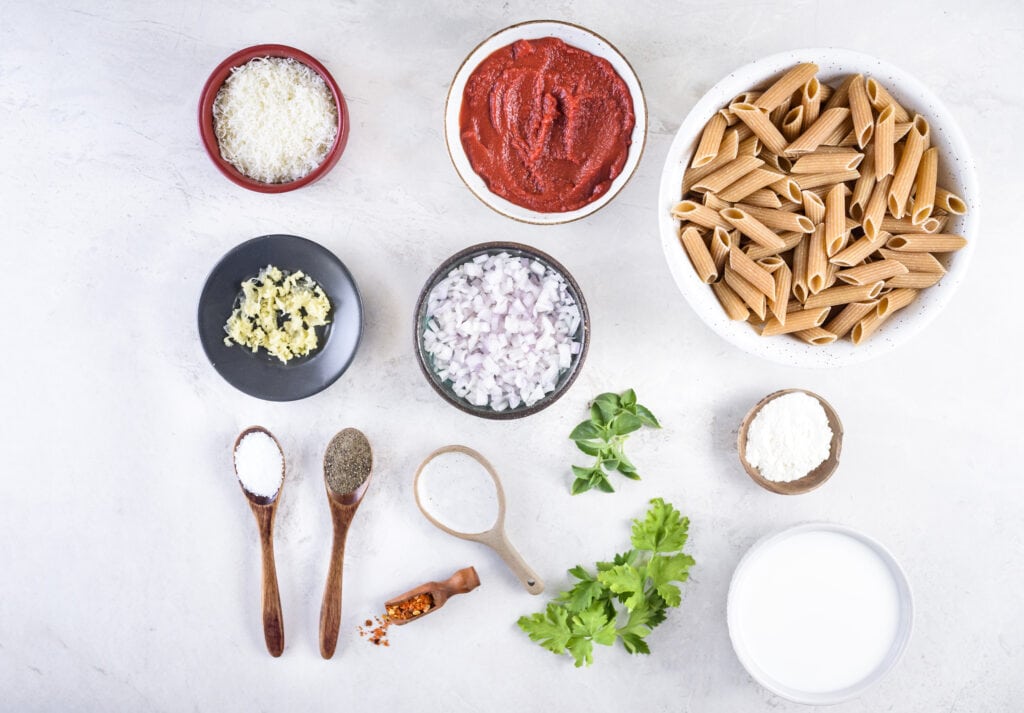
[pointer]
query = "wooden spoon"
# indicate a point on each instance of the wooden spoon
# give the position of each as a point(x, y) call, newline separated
point(463, 581)
point(265, 509)
point(343, 509)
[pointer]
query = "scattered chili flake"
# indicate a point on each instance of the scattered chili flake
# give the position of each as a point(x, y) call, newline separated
point(411, 608)
point(376, 630)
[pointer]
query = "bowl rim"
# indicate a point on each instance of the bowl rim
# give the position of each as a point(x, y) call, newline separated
point(891, 336)
point(532, 217)
point(463, 256)
point(900, 641)
point(812, 480)
point(209, 138)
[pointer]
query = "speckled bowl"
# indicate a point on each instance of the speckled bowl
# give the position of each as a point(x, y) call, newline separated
point(444, 387)
point(956, 172)
point(573, 35)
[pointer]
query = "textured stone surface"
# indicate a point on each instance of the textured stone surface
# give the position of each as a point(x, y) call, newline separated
point(128, 557)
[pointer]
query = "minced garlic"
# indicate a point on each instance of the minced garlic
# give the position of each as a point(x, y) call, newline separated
point(279, 311)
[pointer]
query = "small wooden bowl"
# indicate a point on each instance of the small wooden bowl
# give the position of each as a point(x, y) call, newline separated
point(816, 477)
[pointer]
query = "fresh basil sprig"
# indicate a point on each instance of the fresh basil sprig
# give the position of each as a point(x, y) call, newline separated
point(612, 418)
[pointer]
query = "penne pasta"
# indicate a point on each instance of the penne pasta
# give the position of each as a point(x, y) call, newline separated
point(880, 99)
point(914, 262)
point(906, 170)
point(726, 153)
point(778, 303)
point(848, 316)
point(756, 119)
point(750, 295)
point(714, 202)
point(789, 240)
point(875, 208)
point(795, 322)
point(778, 113)
point(860, 111)
point(814, 207)
point(924, 186)
point(895, 301)
point(901, 129)
point(867, 326)
point(788, 189)
point(771, 264)
point(727, 174)
point(786, 85)
point(817, 180)
point(750, 271)
point(818, 132)
point(862, 188)
point(949, 202)
point(926, 243)
point(694, 212)
point(844, 294)
point(816, 335)
point(735, 308)
point(792, 123)
point(779, 163)
point(763, 198)
point(817, 261)
point(835, 219)
point(721, 243)
point(828, 162)
point(841, 96)
point(710, 141)
point(858, 251)
point(697, 250)
point(872, 272)
point(752, 228)
point(754, 180)
point(779, 219)
point(799, 288)
point(915, 280)
point(885, 140)
point(810, 101)
point(749, 146)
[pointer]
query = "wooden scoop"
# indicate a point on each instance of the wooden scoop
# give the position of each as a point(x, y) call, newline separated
point(463, 581)
point(265, 509)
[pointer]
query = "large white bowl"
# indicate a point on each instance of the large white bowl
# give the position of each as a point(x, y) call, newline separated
point(570, 34)
point(956, 172)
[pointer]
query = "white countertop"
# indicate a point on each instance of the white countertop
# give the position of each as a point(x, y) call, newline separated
point(129, 562)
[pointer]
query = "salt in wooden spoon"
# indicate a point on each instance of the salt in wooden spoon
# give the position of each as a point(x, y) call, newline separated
point(347, 463)
point(265, 509)
point(463, 581)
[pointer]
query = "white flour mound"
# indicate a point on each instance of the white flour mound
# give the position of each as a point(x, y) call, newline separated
point(789, 438)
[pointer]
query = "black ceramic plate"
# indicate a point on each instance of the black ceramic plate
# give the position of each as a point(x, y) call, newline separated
point(259, 374)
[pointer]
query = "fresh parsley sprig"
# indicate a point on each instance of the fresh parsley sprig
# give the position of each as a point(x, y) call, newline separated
point(625, 598)
point(612, 418)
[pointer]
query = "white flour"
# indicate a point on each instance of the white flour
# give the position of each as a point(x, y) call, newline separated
point(789, 438)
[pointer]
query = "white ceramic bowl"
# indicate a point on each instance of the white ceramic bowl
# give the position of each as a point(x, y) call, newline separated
point(573, 35)
point(736, 615)
point(956, 172)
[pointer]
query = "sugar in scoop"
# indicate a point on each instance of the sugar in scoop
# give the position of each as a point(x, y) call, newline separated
point(259, 464)
point(348, 461)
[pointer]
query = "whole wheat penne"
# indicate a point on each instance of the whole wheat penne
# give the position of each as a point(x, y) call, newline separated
point(814, 207)
point(915, 280)
point(841, 95)
point(784, 87)
point(867, 326)
point(710, 140)
point(789, 241)
point(752, 228)
point(847, 140)
point(779, 219)
point(855, 253)
point(863, 187)
point(914, 262)
point(842, 134)
point(726, 153)
point(816, 336)
point(926, 243)
point(906, 169)
point(880, 99)
point(848, 316)
point(701, 215)
point(778, 113)
point(901, 129)
point(699, 255)
point(763, 198)
point(830, 275)
point(896, 300)
point(744, 132)
point(817, 261)
point(935, 224)
point(792, 123)
point(752, 181)
point(835, 219)
point(906, 225)
point(924, 186)
point(799, 281)
point(753, 273)
point(828, 162)
point(745, 97)
point(721, 243)
point(771, 264)
point(816, 133)
point(749, 146)
point(815, 180)
point(844, 294)
point(860, 111)
point(872, 272)
point(735, 308)
point(885, 140)
point(795, 322)
point(779, 302)
point(729, 173)
point(713, 202)
point(788, 190)
point(875, 209)
point(759, 123)
point(950, 202)
point(810, 101)
point(778, 163)
point(753, 297)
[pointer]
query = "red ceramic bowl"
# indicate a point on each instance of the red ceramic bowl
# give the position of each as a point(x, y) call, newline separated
point(213, 85)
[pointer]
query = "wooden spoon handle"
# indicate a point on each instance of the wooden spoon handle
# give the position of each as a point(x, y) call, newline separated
point(533, 583)
point(463, 581)
point(273, 621)
point(330, 608)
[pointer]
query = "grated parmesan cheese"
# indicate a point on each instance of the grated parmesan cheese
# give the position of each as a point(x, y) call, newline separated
point(275, 119)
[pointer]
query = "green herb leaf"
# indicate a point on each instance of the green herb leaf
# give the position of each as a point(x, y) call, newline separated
point(628, 398)
point(662, 530)
point(626, 580)
point(591, 448)
point(582, 650)
point(664, 570)
point(603, 412)
point(646, 417)
point(549, 628)
point(625, 423)
point(586, 431)
point(581, 485)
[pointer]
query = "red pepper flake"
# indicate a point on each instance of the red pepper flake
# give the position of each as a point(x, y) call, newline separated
point(376, 630)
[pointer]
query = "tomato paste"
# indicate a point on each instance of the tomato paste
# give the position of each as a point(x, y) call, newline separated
point(546, 125)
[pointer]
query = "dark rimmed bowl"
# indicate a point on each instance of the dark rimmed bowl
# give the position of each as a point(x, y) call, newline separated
point(209, 136)
point(444, 387)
